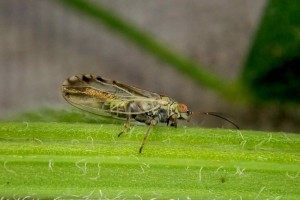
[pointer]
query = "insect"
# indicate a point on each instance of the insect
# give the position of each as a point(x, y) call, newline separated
point(106, 97)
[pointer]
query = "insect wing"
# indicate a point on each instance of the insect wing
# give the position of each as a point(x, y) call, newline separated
point(106, 97)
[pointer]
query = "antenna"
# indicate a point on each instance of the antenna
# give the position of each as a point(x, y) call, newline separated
point(219, 115)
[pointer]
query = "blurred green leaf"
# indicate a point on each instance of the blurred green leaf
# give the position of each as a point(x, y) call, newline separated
point(272, 70)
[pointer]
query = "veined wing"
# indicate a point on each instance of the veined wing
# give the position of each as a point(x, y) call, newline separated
point(106, 97)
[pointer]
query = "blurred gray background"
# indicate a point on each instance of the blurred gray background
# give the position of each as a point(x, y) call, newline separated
point(42, 43)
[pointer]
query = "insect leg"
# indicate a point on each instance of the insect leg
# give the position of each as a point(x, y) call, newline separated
point(126, 126)
point(172, 120)
point(153, 122)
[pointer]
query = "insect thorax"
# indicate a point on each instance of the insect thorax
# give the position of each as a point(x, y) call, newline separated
point(143, 111)
point(168, 108)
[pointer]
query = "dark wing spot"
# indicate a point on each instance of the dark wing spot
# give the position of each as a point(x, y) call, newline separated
point(86, 78)
point(99, 78)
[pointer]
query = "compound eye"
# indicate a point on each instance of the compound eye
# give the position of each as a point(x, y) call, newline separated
point(182, 108)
